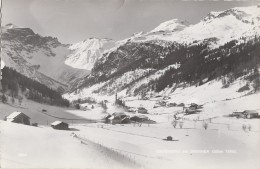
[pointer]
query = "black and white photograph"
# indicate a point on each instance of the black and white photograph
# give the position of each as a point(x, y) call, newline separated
point(130, 84)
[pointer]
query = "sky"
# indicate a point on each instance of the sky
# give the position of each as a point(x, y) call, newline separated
point(72, 21)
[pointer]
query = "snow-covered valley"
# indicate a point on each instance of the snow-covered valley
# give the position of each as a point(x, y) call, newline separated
point(179, 96)
point(99, 145)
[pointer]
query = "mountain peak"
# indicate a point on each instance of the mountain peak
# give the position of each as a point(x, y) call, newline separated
point(244, 14)
point(85, 53)
point(171, 26)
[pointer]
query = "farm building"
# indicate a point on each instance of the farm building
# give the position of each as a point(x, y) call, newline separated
point(238, 114)
point(139, 118)
point(190, 110)
point(142, 110)
point(181, 105)
point(18, 117)
point(119, 118)
point(169, 138)
point(132, 109)
point(120, 115)
point(249, 114)
point(162, 103)
point(171, 104)
point(195, 106)
point(60, 125)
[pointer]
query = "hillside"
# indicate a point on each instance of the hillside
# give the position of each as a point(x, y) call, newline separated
point(223, 144)
point(179, 96)
point(18, 86)
point(148, 62)
point(38, 57)
point(85, 54)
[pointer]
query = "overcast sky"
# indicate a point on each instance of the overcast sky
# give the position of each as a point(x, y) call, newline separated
point(75, 20)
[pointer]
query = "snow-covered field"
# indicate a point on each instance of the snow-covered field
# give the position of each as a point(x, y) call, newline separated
point(128, 146)
point(34, 111)
point(223, 145)
point(97, 145)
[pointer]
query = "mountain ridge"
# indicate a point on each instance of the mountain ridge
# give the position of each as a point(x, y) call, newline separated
point(145, 54)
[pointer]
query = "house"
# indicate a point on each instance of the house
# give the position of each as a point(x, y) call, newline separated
point(171, 104)
point(60, 125)
point(142, 110)
point(120, 115)
point(181, 105)
point(194, 106)
point(131, 109)
point(163, 103)
point(18, 117)
point(249, 114)
point(238, 115)
point(190, 110)
point(160, 103)
point(119, 118)
point(169, 138)
point(139, 118)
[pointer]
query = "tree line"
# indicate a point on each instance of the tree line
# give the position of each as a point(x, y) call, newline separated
point(14, 83)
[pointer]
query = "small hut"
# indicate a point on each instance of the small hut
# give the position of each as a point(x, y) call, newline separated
point(18, 117)
point(169, 138)
point(181, 105)
point(142, 110)
point(171, 104)
point(249, 114)
point(139, 118)
point(59, 125)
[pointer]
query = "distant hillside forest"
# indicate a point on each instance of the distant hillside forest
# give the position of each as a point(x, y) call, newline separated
point(14, 83)
point(198, 64)
point(232, 60)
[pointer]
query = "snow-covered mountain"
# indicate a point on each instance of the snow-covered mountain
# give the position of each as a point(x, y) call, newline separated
point(236, 22)
point(85, 54)
point(171, 26)
point(47, 60)
point(176, 52)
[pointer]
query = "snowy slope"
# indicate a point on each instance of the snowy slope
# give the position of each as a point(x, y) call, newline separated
point(236, 23)
point(44, 147)
point(38, 57)
point(84, 54)
point(171, 26)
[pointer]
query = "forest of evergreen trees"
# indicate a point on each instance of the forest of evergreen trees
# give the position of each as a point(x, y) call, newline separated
point(14, 83)
point(197, 63)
